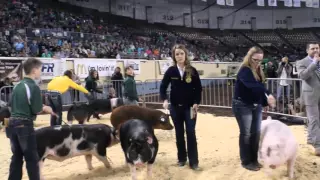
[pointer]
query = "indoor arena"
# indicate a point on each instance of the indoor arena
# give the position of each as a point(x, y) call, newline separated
point(161, 89)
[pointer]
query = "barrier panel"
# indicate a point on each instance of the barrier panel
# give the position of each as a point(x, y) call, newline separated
point(217, 92)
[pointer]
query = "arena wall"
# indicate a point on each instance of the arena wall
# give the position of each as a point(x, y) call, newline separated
point(149, 70)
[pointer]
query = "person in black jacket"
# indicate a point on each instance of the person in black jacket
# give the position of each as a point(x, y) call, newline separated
point(117, 81)
point(91, 86)
point(91, 83)
point(250, 96)
point(185, 97)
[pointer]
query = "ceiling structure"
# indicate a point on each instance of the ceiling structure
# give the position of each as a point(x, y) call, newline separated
point(237, 4)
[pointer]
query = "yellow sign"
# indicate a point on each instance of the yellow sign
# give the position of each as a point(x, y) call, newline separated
point(81, 69)
point(188, 79)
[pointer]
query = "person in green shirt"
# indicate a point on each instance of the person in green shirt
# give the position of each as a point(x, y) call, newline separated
point(130, 88)
point(46, 54)
point(26, 104)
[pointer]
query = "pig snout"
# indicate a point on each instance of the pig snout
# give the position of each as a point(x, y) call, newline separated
point(273, 166)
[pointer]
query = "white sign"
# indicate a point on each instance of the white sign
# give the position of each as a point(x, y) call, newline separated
point(105, 67)
point(135, 64)
point(52, 68)
point(164, 65)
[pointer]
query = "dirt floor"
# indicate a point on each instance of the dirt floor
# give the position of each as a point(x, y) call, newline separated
point(217, 135)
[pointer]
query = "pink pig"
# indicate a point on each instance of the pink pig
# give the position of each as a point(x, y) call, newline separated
point(277, 146)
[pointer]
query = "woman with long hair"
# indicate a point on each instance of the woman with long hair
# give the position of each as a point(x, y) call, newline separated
point(92, 87)
point(185, 97)
point(250, 97)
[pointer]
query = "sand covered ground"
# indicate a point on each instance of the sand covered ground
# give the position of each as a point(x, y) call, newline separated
point(218, 156)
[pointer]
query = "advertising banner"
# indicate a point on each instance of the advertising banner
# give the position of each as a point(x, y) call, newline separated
point(135, 64)
point(105, 67)
point(52, 68)
point(11, 68)
point(164, 65)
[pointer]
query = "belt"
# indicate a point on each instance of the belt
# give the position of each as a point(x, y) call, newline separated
point(239, 99)
point(53, 91)
point(20, 118)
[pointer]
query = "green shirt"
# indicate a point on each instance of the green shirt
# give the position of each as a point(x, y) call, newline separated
point(130, 89)
point(20, 106)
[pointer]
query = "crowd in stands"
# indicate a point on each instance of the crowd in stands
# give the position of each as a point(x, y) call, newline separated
point(28, 29)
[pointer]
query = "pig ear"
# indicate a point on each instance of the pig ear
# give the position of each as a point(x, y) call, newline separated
point(149, 140)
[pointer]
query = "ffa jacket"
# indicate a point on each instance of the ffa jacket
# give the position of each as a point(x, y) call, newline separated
point(184, 90)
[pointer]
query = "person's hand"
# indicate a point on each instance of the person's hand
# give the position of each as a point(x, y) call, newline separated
point(165, 104)
point(271, 101)
point(47, 109)
point(316, 57)
point(90, 96)
point(195, 107)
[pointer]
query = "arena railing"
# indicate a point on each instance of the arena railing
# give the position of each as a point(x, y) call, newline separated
point(216, 93)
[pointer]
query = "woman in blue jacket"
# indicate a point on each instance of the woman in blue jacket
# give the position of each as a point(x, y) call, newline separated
point(250, 97)
point(185, 97)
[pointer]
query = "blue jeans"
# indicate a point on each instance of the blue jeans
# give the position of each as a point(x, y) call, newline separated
point(181, 115)
point(285, 90)
point(23, 144)
point(249, 121)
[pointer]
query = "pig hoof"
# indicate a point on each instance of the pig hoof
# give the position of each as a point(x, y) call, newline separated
point(90, 168)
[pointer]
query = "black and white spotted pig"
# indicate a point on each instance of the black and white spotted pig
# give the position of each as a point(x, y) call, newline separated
point(63, 142)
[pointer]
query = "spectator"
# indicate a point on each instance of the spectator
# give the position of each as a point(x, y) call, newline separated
point(117, 81)
point(46, 54)
point(284, 72)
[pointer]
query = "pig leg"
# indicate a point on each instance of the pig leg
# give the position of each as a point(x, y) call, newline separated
point(290, 167)
point(104, 160)
point(40, 168)
point(89, 161)
point(149, 171)
point(268, 171)
point(133, 171)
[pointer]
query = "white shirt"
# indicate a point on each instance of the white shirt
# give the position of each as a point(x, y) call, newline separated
point(283, 76)
point(181, 71)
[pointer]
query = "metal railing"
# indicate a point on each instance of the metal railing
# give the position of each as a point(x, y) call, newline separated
point(217, 93)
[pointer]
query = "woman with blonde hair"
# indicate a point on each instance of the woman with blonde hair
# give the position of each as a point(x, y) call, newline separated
point(250, 97)
point(185, 97)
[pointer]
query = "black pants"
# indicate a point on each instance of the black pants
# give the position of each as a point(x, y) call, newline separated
point(23, 145)
point(75, 95)
point(181, 116)
point(55, 102)
point(118, 88)
point(90, 98)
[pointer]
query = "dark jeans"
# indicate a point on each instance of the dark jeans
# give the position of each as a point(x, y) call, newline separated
point(117, 85)
point(181, 115)
point(249, 121)
point(75, 95)
point(90, 98)
point(55, 102)
point(23, 144)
